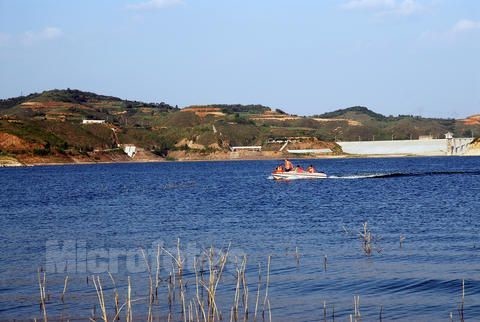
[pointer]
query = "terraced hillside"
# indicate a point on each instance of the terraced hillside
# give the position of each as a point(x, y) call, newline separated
point(50, 126)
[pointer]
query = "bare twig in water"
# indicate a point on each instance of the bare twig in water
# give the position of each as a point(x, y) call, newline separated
point(367, 239)
point(297, 256)
point(402, 239)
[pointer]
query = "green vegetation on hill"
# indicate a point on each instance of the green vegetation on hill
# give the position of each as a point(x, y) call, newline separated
point(51, 122)
point(236, 108)
point(352, 111)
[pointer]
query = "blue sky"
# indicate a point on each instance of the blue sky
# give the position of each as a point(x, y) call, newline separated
point(306, 57)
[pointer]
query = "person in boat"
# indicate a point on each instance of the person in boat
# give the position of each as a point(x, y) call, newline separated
point(279, 169)
point(288, 166)
point(299, 169)
point(311, 169)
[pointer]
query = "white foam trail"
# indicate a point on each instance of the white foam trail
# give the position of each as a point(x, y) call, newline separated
point(365, 176)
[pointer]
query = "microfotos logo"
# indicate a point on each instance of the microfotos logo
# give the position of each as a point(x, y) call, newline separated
point(77, 257)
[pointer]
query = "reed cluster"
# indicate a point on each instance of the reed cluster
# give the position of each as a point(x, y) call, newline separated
point(175, 294)
point(208, 293)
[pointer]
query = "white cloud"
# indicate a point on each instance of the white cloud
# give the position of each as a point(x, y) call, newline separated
point(408, 7)
point(386, 7)
point(465, 25)
point(461, 27)
point(154, 4)
point(51, 33)
point(48, 33)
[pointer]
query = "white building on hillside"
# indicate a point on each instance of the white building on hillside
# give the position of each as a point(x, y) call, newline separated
point(93, 121)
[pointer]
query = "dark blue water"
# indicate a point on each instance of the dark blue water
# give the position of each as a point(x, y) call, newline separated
point(433, 202)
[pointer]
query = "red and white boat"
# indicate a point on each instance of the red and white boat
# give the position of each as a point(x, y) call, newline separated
point(292, 175)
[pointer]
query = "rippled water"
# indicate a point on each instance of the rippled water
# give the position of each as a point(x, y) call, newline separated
point(433, 202)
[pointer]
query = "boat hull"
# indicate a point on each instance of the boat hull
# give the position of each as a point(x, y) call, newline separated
point(297, 176)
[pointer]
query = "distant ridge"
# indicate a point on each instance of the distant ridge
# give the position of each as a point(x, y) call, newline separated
point(75, 96)
point(352, 110)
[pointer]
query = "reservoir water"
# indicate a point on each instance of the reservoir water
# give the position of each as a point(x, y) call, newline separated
point(310, 228)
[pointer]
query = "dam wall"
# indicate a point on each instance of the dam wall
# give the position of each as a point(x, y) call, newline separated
point(434, 147)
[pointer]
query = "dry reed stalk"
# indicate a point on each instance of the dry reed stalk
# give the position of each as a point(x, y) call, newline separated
point(157, 273)
point(297, 256)
point(128, 317)
point(170, 297)
point(127, 302)
point(267, 284)
point(150, 294)
point(240, 282)
point(258, 291)
point(324, 310)
point(116, 297)
point(231, 314)
point(196, 309)
point(190, 311)
point(197, 284)
point(236, 299)
point(94, 313)
point(42, 286)
point(174, 284)
point(64, 289)
point(245, 290)
point(101, 298)
point(182, 297)
point(178, 260)
point(356, 304)
point(461, 312)
point(269, 311)
point(215, 274)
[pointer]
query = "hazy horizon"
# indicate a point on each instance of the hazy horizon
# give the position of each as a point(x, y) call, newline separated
point(417, 57)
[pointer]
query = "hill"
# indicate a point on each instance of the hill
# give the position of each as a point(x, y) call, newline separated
point(50, 126)
point(352, 113)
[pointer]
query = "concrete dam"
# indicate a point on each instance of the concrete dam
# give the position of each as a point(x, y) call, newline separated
point(430, 147)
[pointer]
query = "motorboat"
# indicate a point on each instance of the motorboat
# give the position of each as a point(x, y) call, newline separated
point(293, 175)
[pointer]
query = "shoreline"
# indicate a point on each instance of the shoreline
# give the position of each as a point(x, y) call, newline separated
point(262, 158)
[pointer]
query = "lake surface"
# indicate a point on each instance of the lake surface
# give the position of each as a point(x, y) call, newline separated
point(433, 202)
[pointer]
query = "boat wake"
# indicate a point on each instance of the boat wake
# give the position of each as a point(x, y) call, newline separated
point(404, 174)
